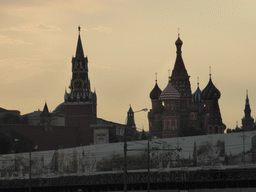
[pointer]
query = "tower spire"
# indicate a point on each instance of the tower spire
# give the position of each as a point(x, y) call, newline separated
point(247, 121)
point(179, 67)
point(79, 48)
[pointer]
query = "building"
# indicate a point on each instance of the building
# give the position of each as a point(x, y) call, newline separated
point(247, 120)
point(81, 103)
point(78, 112)
point(177, 112)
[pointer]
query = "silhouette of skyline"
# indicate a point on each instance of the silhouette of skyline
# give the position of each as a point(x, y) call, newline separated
point(126, 42)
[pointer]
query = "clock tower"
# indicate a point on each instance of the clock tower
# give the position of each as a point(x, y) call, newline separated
point(81, 102)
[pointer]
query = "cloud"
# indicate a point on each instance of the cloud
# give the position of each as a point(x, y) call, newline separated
point(37, 27)
point(101, 29)
point(45, 8)
point(7, 40)
point(13, 70)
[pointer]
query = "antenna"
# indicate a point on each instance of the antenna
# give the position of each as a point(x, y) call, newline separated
point(156, 76)
point(178, 32)
point(210, 72)
point(79, 29)
point(197, 81)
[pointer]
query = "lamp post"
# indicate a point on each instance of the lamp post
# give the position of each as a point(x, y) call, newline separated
point(30, 150)
point(125, 161)
point(148, 179)
point(243, 137)
point(125, 151)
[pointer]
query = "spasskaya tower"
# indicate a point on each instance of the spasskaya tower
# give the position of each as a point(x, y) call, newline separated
point(81, 102)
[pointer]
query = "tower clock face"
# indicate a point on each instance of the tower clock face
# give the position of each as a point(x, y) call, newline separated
point(78, 84)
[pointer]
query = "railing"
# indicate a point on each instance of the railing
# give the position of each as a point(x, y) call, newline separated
point(140, 177)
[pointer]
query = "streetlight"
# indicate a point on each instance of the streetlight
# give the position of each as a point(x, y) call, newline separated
point(243, 137)
point(30, 150)
point(148, 179)
point(125, 151)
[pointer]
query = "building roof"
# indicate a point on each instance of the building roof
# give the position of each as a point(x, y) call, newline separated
point(179, 67)
point(210, 91)
point(60, 108)
point(197, 96)
point(79, 49)
point(155, 93)
point(169, 93)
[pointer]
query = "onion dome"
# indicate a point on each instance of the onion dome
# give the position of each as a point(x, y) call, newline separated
point(178, 42)
point(197, 96)
point(170, 93)
point(179, 67)
point(155, 93)
point(210, 91)
point(193, 107)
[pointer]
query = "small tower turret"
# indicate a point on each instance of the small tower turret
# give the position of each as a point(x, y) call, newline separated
point(45, 117)
point(247, 121)
point(130, 126)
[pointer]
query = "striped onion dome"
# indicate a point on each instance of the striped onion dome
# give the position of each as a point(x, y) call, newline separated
point(169, 93)
point(197, 96)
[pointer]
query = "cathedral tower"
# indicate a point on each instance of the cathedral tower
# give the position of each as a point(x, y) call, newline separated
point(212, 116)
point(180, 81)
point(81, 102)
point(247, 121)
point(171, 116)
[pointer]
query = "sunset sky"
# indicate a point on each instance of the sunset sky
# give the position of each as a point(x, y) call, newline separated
point(127, 42)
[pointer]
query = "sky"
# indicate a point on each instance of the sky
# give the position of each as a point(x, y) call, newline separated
point(126, 42)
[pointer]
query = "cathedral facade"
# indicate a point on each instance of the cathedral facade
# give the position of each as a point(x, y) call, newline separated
point(177, 112)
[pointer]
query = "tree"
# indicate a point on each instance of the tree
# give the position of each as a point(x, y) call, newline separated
point(143, 135)
point(21, 142)
point(24, 119)
point(5, 144)
point(11, 118)
point(237, 129)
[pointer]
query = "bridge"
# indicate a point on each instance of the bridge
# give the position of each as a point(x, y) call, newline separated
point(219, 161)
point(186, 179)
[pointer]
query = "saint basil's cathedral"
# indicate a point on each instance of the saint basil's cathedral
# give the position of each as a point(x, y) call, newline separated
point(176, 110)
